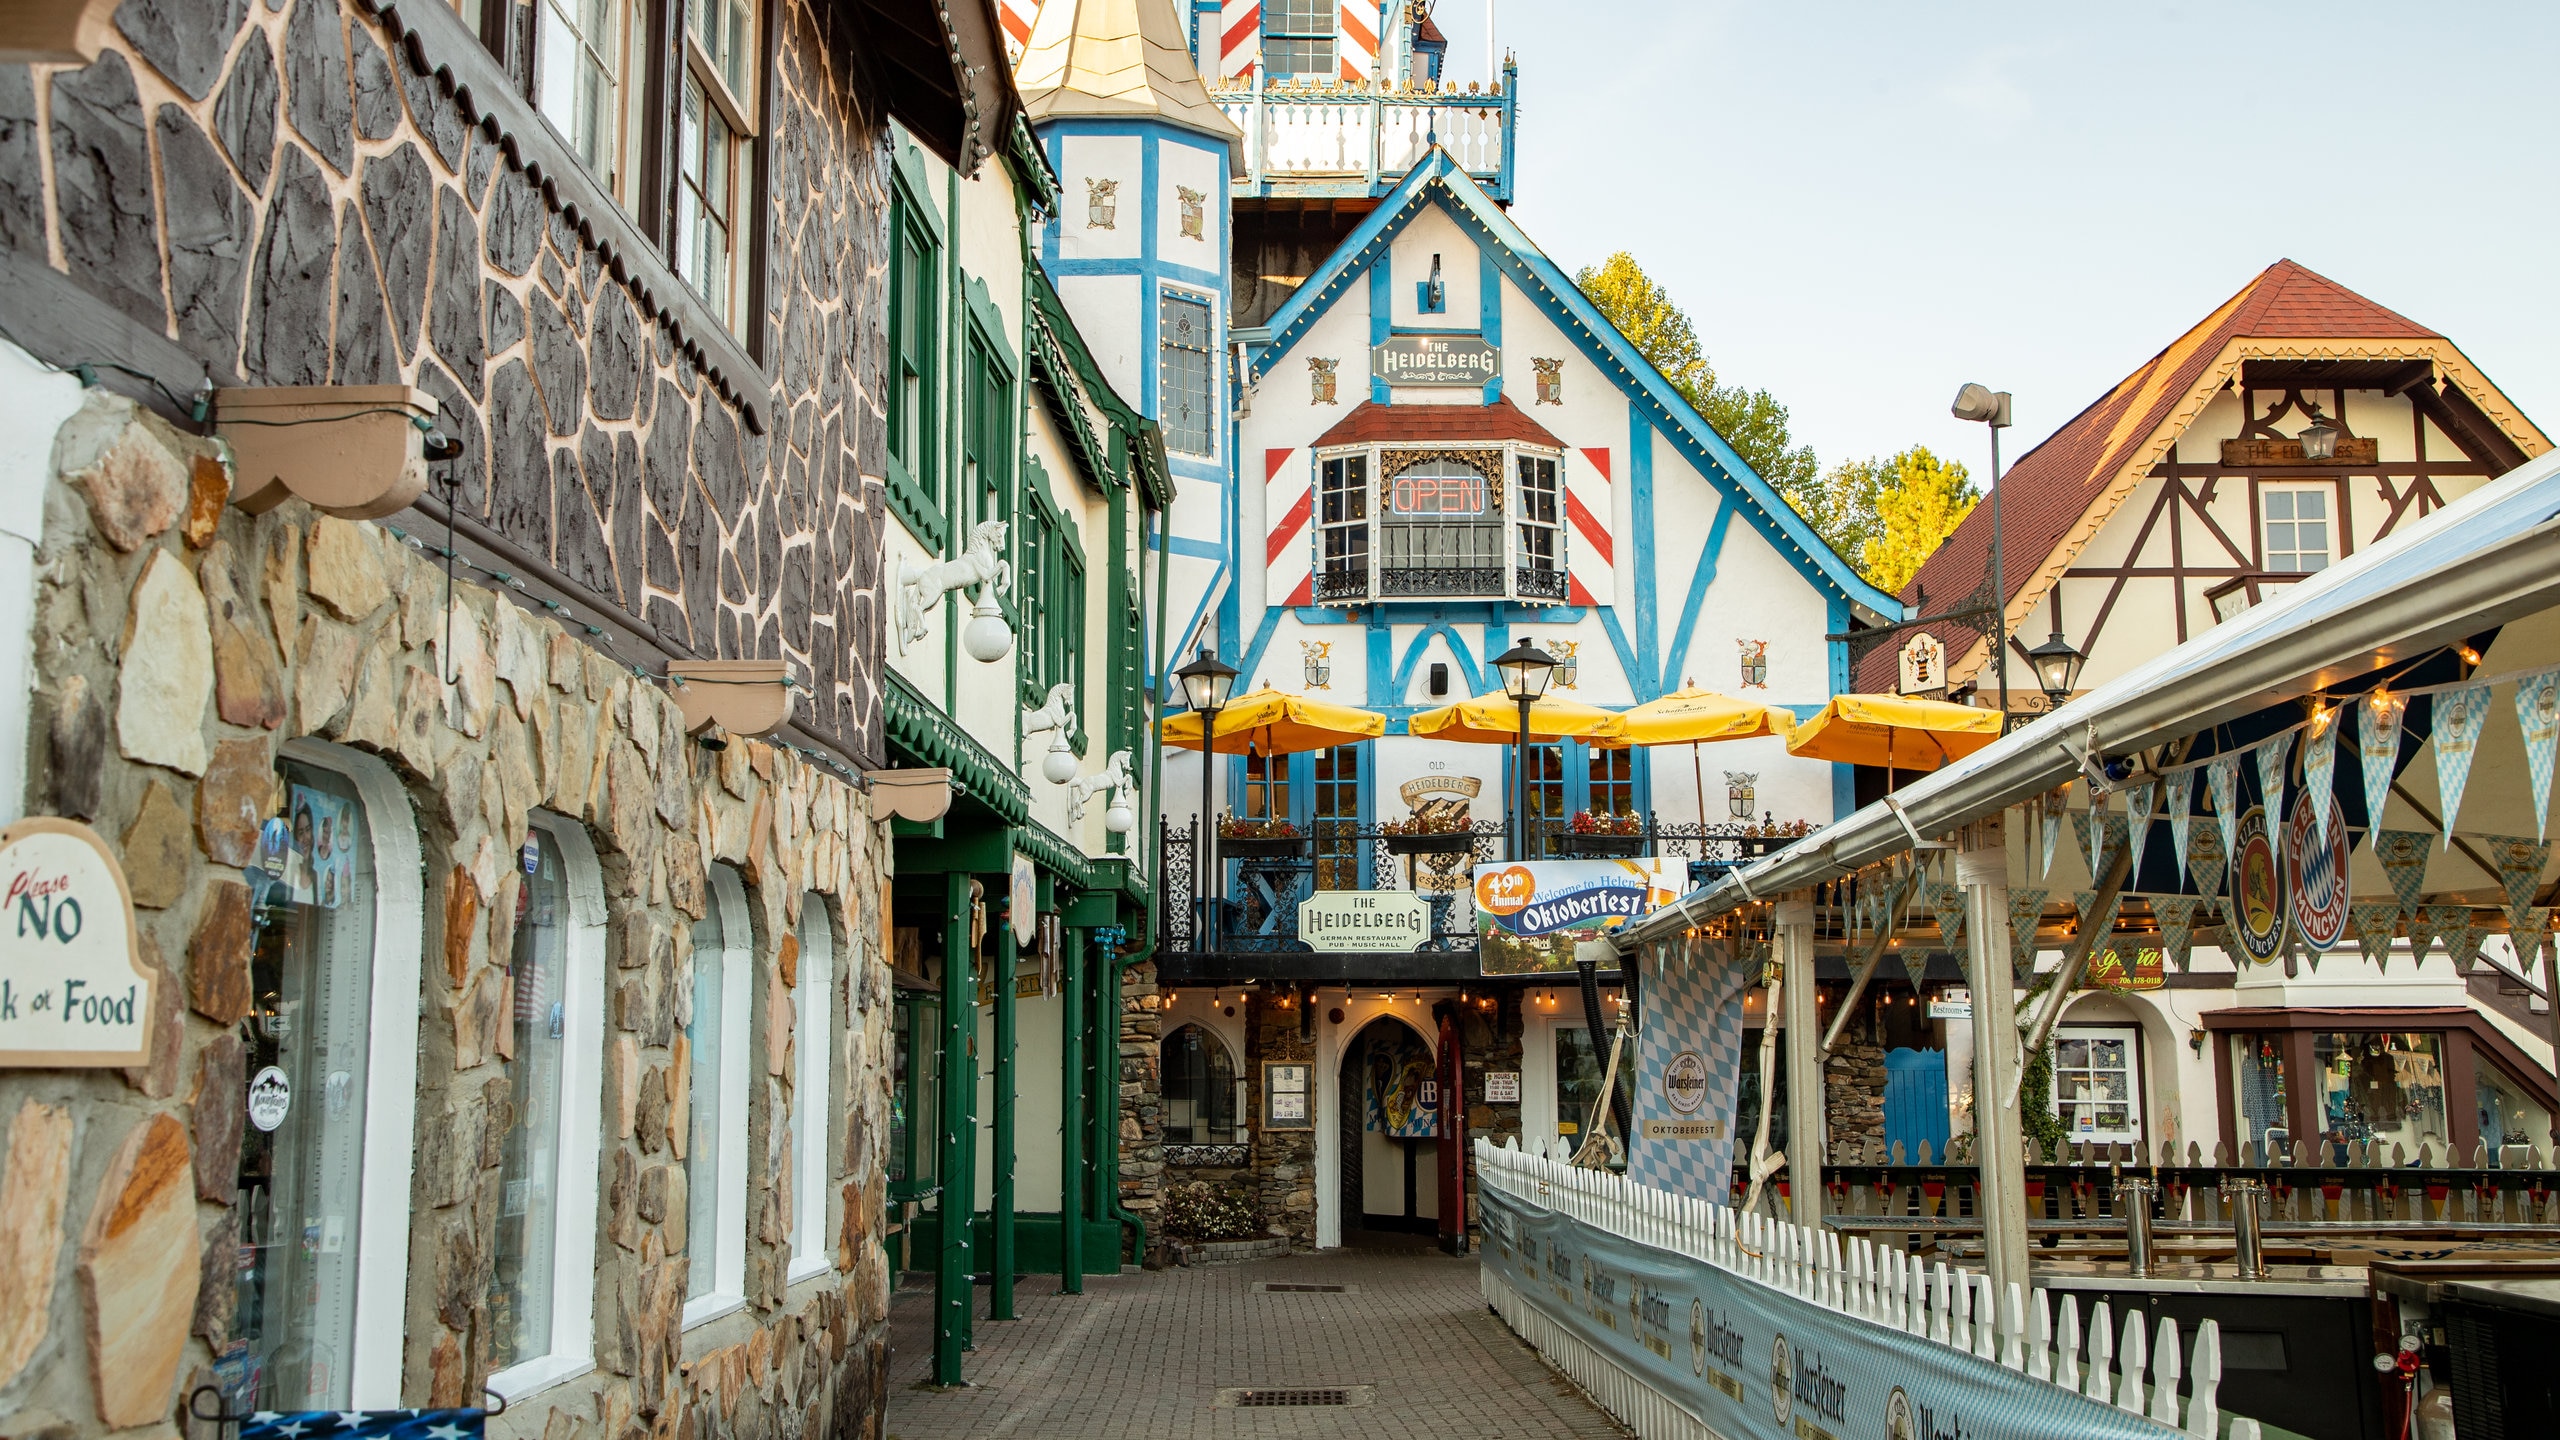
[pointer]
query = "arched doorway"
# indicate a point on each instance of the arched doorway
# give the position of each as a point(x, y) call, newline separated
point(1387, 1112)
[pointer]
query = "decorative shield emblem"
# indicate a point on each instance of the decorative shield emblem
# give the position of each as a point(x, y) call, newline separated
point(2257, 887)
point(2315, 872)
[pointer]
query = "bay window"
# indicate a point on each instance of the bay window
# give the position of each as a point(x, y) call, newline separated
point(1455, 521)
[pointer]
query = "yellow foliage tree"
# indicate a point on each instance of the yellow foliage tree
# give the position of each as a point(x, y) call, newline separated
point(1919, 501)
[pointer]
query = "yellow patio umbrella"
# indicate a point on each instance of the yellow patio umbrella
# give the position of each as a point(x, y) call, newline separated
point(1893, 731)
point(1275, 722)
point(1691, 716)
point(1495, 720)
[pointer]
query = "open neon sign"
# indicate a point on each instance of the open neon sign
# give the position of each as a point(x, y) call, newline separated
point(1438, 496)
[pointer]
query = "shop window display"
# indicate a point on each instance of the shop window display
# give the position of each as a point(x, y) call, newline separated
point(2383, 1086)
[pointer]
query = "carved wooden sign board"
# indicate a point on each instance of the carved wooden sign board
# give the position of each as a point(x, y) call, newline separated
point(73, 991)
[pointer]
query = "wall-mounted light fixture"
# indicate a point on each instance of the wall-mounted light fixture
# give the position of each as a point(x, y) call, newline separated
point(739, 697)
point(2320, 441)
point(921, 795)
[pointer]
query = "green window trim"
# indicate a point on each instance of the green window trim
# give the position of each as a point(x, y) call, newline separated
point(911, 379)
point(1049, 568)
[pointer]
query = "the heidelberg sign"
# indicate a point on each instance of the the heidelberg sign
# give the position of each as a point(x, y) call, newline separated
point(1397, 921)
point(1435, 360)
point(72, 987)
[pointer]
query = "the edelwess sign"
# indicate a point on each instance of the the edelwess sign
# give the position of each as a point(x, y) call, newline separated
point(73, 991)
point(1435, 360)
point(1397, 921)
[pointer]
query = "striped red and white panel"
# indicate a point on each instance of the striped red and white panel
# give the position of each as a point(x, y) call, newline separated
point(1589, 507)
point(1357, 45)
point(1239, 37)
point(1016, 17)
point(1288, 498)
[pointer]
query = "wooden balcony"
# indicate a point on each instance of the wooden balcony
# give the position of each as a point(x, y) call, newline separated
point(1307, 139)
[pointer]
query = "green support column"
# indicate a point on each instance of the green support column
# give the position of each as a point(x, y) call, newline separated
point(959, 1140)
point(1072, 1022)
point(1000, 1266)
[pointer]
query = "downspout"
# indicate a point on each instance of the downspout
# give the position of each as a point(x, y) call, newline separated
point(1109, 1036)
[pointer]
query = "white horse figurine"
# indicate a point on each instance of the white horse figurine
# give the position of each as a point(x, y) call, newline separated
point(1114, 776)
point(1058, 713)
point(981, 565)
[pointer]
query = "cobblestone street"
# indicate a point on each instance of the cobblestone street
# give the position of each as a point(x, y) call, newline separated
point(1146, 1355)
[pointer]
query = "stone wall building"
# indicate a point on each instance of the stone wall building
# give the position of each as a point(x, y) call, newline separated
point(514, 1027)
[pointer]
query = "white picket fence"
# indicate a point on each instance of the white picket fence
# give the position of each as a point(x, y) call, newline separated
point(1856, 1278)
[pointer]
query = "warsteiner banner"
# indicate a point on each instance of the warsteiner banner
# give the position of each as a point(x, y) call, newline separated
point(1752, 1363)
point(1530, 914)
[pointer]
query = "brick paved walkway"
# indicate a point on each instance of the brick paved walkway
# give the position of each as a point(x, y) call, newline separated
point(1145, 1355)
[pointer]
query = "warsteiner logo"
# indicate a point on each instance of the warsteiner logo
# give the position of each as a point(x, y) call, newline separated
point(1684, 1081)
point(1782, 1380)
point(1697, 1337)
point(1898, 1421)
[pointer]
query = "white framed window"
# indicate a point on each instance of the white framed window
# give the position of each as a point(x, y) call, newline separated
point(812, 1096)
point(2097, 1083)
point(1187, 373)
point(590, 67)
point(542, 1279)
point(1447, 521)
point(715, 1161)
point(2298, 533)
point(323, 1193)
point(1298, 37)
point(715, 155)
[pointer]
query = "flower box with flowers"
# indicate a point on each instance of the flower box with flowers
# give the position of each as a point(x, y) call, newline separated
point(1772, 836)
point(1260, 839)
point(1428, 835)
point(1599, 834)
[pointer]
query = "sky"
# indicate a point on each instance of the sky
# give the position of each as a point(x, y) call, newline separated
point(1863, 206)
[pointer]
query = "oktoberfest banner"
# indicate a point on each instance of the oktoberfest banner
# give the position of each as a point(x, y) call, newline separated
point(2378, 750)
point(1750, 1362)
point(2538, 713)
point(2205, 860)
point(2180, 795)
point(1688, 1069)
point(2459, 716)
point(1531, 914)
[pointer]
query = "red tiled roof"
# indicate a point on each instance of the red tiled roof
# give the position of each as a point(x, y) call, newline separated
point(2047, 491)
point(1428, 33)
point(1371, 423)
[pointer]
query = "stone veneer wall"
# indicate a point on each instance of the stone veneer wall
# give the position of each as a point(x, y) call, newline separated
point(178, 643)
point(1142, 1172)
point(1853, 1095)
point(1284, 1161)
point(1492, 1041)
point(300, 194)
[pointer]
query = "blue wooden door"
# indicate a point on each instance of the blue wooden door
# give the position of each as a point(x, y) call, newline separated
point(1915, 1101)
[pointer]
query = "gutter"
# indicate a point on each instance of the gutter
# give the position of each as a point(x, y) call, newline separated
point(2485, 588)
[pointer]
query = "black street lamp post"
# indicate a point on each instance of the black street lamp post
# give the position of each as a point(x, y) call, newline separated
point(1206, 683)
point(1526, 669)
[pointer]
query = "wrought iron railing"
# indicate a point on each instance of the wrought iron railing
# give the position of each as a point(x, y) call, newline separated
point(1402, 581)
point(1531, 582)
point(1263, 878)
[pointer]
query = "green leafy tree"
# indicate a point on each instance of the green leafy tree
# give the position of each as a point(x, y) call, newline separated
point(1751, 421)
point(1919, 501)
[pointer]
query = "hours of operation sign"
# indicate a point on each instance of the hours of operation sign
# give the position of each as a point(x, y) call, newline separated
point(72, 988)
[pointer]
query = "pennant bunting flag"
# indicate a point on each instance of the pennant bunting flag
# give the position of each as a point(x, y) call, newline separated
point(2222, 778)
point(2026, 909)
point(2378, 748)
point(2403, 854)
point(2093, 826)
point(2421, 925)
point(2319, 766)
point(1947, 902)
point(2519, 863)
point(2097, 927)
point(2459, 716)
point(2272, 753)
point(2049, 820)
point(2179, 793)
point(2206, 859)
point(2462, 936)
point(2538, 711)
point(2531, 933)
point(2177, 917)
point(2374, 923)
point(2138, 802)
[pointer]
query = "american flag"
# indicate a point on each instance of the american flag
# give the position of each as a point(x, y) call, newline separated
point(339, 1424)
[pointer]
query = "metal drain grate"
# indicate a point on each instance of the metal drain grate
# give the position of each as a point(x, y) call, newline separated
point(1264, 1397)
point(1280, 1287)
